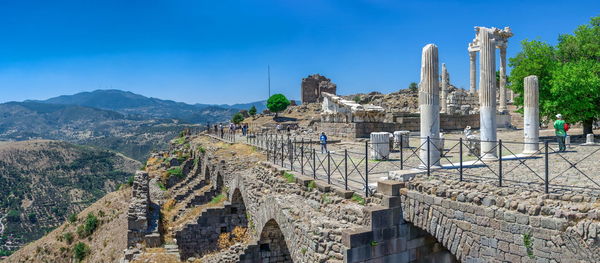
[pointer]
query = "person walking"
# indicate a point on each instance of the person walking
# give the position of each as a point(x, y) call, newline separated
point(323, 139)
point(559, 130)
point(222, 130)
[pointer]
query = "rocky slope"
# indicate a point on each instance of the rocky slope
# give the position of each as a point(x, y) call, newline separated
point(104, 244)
point(44, 182)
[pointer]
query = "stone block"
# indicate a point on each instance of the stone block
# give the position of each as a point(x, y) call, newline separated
point(357, 237)
point(391, 201)
point(323, 187)
point(303, 180)
point(389, 187)
point(346, 194)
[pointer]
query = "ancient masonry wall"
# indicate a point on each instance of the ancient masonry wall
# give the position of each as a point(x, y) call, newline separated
point(407, 122)
point(139, 209)
point(202, 235)
point(313, 85)
point(476, 226)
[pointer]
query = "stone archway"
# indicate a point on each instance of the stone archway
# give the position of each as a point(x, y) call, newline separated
point(272, 244)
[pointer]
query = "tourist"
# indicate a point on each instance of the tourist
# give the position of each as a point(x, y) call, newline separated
point(278, 127)
point(559, 127)
point(222, 129)
point(323, 140)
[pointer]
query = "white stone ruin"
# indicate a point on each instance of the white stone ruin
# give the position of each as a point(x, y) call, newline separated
point(429, 105)
point(405, 139)
point(338, 110)
point(500, 40)
point(531, 126)
point(589, 139)
point(380, 146)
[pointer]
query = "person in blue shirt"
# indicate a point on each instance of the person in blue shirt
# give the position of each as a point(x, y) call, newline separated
point(323, 140)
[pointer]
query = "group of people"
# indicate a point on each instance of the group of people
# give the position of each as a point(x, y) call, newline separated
point(220, 129)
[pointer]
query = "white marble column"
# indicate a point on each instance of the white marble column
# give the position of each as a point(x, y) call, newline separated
point(531, 124)
point(502, 107)
point(429, 105)
point(444, 95)
point(472, 71)
point(380, 145)
point(487, 94)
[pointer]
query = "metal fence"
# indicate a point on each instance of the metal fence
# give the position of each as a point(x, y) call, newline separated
point(351, 166)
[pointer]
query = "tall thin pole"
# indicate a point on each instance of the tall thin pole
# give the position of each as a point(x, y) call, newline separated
point(269, 78)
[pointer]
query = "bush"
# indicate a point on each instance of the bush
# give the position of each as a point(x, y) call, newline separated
point(357, 198)
point(68, 237)
point(277, 103)
point(237, 118)
point(161, 186)
point(89, 226)
point(252, 111)
point(73, 217)
point(32, 217)
point(289, 177)
point(129, 182)
point(176, 171)
point(13, 216)
point(80, 251)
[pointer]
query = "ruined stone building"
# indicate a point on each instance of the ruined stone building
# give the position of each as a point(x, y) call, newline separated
point(313, 85)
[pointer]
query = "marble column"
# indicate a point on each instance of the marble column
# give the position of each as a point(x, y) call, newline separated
point(444, 94)
point(429, 105)
point(380, 145)
point(502, 106)
point(487, 94)
point(531, 124)
point(472, 71)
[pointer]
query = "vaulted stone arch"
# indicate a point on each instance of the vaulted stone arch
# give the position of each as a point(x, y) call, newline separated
point(272, 244)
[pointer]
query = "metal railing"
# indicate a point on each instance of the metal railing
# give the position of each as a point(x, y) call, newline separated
point(350, 167)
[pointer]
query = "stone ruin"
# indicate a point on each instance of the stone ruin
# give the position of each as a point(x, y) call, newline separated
point(314, 85)
point(142, 218)
point(338, 110)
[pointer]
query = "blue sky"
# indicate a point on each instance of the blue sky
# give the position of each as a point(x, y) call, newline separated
point(218, 51)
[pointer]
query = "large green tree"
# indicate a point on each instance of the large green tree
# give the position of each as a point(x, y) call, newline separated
point(277, 103)
point(569, 74)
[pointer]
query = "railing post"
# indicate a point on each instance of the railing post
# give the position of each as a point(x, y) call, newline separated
point(428, 157)
point(401, 154)
point(366, 169)
point(282, 149)
point(328, 168)
point(500, 163)
point(346, 169)
point(460, 159)
point(546, 169)
point(302, 157)
point(314, 166)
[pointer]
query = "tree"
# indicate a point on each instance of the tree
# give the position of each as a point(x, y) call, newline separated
point(568, 74)
point(577, 89)
point(252, 111)
point(237, 118)
point(536, 58)
point(277, 103)
point(13, 216)
point(413, 87)
point(80, 251)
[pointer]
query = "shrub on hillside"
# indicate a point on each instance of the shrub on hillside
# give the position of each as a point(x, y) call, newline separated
point(80, 251)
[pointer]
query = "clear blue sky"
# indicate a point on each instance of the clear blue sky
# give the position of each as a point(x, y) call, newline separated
point(218, 51)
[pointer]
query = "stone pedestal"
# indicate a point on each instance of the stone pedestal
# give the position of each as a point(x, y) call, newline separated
point(531, 124)
point(429, 105)
point(487, 94)
point(589, 139)
point(401, 137)
point(380, 145)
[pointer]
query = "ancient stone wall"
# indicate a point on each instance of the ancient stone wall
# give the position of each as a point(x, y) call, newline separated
point(313, 85)
point(139, 209)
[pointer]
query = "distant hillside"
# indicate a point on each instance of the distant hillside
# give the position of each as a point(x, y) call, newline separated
point(84, 125)
point(139, 106)
point(43, 182)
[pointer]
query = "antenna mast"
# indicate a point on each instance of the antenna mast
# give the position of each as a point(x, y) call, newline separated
point(269, 78)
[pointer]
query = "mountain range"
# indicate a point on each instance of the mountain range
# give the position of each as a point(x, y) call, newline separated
point(137, 106)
